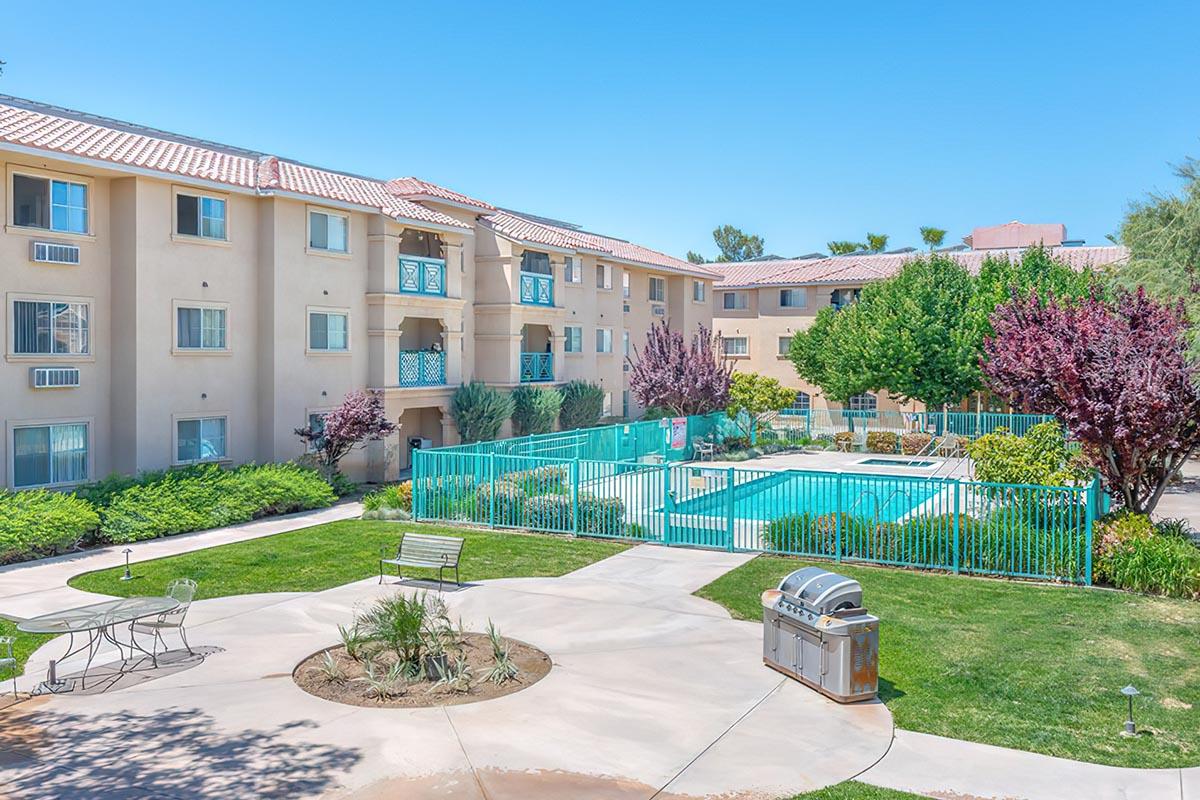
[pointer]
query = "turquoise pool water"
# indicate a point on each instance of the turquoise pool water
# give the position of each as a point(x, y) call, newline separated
point(884, 498)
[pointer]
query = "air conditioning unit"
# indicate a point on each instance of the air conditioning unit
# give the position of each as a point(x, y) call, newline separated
point(54, 253)
point(53, 377)
point(659, 311)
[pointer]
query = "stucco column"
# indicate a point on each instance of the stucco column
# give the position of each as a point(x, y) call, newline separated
point(453, 251)
point(449, 431)
point(514, 277)
point(558, 346)
point(452, 347)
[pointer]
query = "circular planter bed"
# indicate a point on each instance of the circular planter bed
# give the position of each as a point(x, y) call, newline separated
point(351, 687)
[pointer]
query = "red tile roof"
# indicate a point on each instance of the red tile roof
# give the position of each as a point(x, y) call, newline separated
point(413, 188)
point(513, 225)
point(862, 269)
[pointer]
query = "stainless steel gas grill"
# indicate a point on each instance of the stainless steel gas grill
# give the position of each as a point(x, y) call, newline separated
point(816, 630)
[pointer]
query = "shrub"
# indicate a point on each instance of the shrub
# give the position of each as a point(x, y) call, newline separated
point(38, 523)
point(913, 443)
point(843, 440)
point(101, 492)
point(804, 533)
point(1039, 457)
point(341, 485)
point(479, 411)
point(548, 512)
point(601, 515)
point(882, 441)
point(396, 495)
point(208, 496)
point(534, 409)
point(509, 500)
point(551, 479)
point(1132, 554)
point(582, 405)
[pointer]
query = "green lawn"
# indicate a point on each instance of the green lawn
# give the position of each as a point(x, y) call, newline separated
point(324, 556)
point(24, 644)
point(1019, 665)
point(853, 790)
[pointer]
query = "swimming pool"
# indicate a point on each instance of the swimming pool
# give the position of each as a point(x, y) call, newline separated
point(911, 463)
point(883, 498)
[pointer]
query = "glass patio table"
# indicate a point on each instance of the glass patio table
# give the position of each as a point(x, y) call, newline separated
point(99, 622)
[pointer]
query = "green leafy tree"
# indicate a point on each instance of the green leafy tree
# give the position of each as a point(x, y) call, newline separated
point(535, 408)
point(842, 247)
point(877, 242)
point(735, 245)
point(1036, 272)
point(830, 354)
point(582, 405)
point(696, 258)
point(932, 236)
point(479, 411)
point(1162, 233)
point(752, 396)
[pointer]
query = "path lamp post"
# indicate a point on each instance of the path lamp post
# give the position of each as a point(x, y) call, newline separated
point(1130, 727)
point(128, 576)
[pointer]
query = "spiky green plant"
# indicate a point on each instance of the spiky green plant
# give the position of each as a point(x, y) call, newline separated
point(479, 411)
point(534, 409)
point(331, 669)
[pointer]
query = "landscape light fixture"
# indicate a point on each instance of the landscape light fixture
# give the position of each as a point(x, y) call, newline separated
point(128, 576)
point(1130, 693)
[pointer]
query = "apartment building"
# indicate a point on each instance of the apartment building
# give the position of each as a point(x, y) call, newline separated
point(758, 306)
point(169, 300)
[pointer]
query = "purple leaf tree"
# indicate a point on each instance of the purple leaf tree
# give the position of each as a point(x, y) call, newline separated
point(683, 378)
point(1116, 375)
point(359, 419)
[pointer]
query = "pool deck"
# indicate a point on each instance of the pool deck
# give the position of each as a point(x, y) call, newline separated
point(828, 461)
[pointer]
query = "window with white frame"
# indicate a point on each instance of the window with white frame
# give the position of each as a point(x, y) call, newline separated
point(793, 298)
point(802, 404)
point(199, 439)
point(603, 276)
point(735, 301)
point(572, 269)
point(735, 346)
point(698, 291)
point(604, 340)
point(50, 327)
point(328, 231)
point(49, 455)
point(574, 339)
point(625, 284)
point(200, 215)
point(625, 342)
point(199, 328)
point(658, 290)
point(625, 403)
point(863, 402)
point(785, 345)
point(328, 331)
point(50, 204)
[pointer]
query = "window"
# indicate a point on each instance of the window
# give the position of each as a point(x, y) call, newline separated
point(625, 404)
point(603, 340)
point(420, 243)
point(573, 270)
point(840, 298)
point(863, 402)
point(200, 439)
point(785, 345)
point(196, 215)
point(625, 285)
point(735, 301)
point(327, 331)
point(574, 342)
point(658, 290)
point(44, 455)
point(200, 328)
point(606, 411)
point(536, 262)
point(698, 291)
point(625, 342)
point(802, 403)
point(316, 423)
point(50, 204)
point(603, 276)
point(735, 346)
point(52, 327)
point(327, 231)
point(793, 298)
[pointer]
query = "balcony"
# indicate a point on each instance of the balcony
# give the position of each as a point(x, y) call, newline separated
point(422, 276)
point(537, 367)
point(422, 368)
point(537, 289)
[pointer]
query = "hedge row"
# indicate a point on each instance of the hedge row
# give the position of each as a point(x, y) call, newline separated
point(128, 509)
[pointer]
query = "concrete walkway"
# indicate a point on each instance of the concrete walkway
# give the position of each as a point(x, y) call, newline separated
point(654, 693)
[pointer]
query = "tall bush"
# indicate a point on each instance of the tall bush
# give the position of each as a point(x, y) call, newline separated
point(534, 409)
point(38, 523)
point(479, 411)
point(686, 378)
point(1039, 457)
point(753, 396)
point(582, 405)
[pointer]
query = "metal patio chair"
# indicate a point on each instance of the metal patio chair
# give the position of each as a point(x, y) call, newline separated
point(183, 590)
point(8, 661)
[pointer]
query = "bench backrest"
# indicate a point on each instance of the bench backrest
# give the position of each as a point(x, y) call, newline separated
point(426, 547)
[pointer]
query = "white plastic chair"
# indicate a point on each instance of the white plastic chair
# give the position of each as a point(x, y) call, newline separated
point(183, 590)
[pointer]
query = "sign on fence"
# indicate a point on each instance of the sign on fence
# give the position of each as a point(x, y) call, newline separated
point(679, 426)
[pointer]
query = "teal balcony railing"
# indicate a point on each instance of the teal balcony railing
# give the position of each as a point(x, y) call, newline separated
point(422, 368)
point(537, 289)
point(537, 367)
point(422, 275)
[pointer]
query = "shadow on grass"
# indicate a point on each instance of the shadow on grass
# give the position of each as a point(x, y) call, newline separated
point(888, 690)
point(170, 753)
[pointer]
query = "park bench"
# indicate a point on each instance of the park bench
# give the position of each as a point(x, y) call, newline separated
point(424, 550)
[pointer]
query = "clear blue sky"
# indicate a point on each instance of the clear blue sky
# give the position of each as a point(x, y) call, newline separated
point(656, 122)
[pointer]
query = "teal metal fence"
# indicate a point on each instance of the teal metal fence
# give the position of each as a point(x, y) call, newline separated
point(823, 421)
point(956, 525)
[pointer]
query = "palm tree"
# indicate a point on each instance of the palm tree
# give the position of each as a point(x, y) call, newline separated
point(932, 236)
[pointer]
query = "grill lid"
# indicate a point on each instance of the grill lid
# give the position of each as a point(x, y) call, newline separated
point(822, 590)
